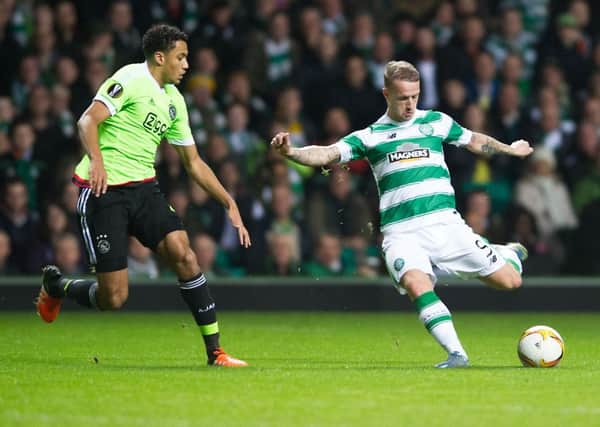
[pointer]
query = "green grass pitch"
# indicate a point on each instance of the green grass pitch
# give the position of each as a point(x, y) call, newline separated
point(307, 369)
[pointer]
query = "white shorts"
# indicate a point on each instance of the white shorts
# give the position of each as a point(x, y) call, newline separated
point(452, 247)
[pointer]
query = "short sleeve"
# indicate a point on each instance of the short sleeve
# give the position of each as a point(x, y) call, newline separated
point(113, 94)
point(351, 147)
point(457, 135)
point(180, 133)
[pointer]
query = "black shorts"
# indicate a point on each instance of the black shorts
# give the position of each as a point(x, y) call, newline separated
point(106, 222)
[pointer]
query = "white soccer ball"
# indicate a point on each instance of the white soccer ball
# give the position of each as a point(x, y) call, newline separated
point(540, 347)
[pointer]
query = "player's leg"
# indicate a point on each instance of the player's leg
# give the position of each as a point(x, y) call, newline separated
point(157, 226)
point(411, 270)
point(509, 276)
point(103, 227)
point(175, 248)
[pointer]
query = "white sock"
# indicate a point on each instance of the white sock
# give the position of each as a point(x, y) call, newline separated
point(509, 256)
point(437, 319)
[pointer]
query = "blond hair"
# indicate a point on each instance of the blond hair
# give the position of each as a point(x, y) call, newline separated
point(400, 70)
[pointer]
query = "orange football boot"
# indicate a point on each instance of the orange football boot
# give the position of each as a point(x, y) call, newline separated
point(223, 359)
point(49, 300)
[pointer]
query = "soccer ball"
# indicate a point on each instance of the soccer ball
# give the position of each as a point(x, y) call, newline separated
point(540, 347)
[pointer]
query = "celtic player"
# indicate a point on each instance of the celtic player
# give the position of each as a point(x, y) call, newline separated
point(133, 111)
point(419, 221)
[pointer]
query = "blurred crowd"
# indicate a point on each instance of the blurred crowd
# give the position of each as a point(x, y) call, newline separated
point(511, 68)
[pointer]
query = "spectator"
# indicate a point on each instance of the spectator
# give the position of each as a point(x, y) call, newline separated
point(271, 60)
point(281, 219)
point(310, 34)
point(327, 259)
point(338, 209)
point(356, 95)
point(289, 112)
point(69, 34)
point(127, 39)
point(457, 60)
point(510, 122)
point(281, 260)
point(513, 39)
point(571, 51)
point(20, 162)
point(217, 150)
point(361, 40)
point(239, 90)
point(140, 261)
point(404, 29)
point(548, 132)
point(7, 115)
point(204, 112)
point(443, 23)
point(484, 87)
point(383, 52)
point(206, 64)
point(204, 214)
point(63, 118)
point(334, 18)
point(29, 75)
point(6, 268)
point(54, 223)
point(512, 73)
point(170, 173)
point(18, 221)
point(67, 253)
point(477, 212)
point(10, 51)
point(454, 98)
point(545, 195)
point(67, 73)
point(580, 157)
point(426, 61)
point(206, 252)
point(243, 143)
point(219, 30)
point(316, 79)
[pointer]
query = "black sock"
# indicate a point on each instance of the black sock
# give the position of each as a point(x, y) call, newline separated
point(82, 291)
point(196, 294)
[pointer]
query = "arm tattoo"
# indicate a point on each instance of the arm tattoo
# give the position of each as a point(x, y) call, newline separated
point(492, 146)
point(315, 155)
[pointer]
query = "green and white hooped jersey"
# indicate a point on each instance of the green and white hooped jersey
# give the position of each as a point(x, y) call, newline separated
point(407, 160)
point(142, 114)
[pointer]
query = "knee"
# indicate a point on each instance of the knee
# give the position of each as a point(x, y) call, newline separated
point(113, 300)
point(186, 258)
point(512, 282)
point(516, 281)
point(416, 282)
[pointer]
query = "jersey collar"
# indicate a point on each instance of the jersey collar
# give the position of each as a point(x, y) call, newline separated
point(387, 119)
point(151, 77)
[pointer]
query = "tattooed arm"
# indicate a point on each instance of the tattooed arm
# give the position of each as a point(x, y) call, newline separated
point(484, 144)
point(312, 155)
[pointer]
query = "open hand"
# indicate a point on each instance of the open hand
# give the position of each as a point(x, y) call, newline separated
point(236, 221)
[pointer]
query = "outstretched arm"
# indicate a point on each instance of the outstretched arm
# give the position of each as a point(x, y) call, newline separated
point(312, 155)
point(484, 144)
point(205, 178)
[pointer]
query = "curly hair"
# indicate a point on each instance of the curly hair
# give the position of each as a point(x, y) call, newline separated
point(161, 38)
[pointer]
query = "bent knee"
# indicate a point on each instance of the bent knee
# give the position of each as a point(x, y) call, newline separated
point(416, 282)
point(509, 282)
point(113, 301)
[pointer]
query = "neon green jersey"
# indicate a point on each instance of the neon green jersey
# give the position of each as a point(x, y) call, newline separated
point(142, 114)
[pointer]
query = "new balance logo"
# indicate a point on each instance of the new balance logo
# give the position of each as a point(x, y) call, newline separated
point(392, 135)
